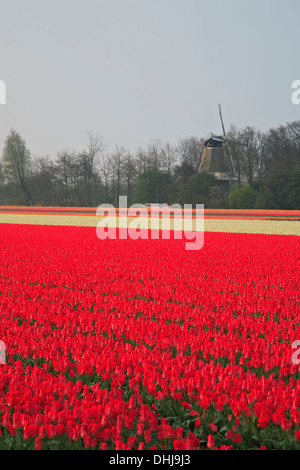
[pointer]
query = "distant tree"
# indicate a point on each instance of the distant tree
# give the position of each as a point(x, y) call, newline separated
point(130, 176)
point(16, 161)
point(154, 154)
point(169, 157)
point(184, 171)
point(42, 181)
point(153, 186)
point(105, 171)
point(89, 162)
point(77, 175)
point(243, 197)
point(197, 189)
point(67, 179)
point(1, 183)
point(189, 152)
point(281, 183)
point(267, 166)
point(158, 155)
point(117, 162)
point(249, 154)
point(141, 160)
point(281, 189)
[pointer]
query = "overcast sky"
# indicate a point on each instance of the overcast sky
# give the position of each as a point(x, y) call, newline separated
point(136, 70)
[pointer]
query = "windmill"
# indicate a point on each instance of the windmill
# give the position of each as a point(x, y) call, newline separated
point(213, 159)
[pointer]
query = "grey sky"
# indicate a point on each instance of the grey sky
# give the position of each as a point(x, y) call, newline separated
point(136, 70)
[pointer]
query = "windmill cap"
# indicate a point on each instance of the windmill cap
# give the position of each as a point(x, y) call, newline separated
point(218, 140)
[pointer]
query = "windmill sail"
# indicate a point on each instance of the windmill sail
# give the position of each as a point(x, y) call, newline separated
point(221, 117)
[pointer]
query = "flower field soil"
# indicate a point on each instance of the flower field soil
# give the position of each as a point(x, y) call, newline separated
point(140, 344)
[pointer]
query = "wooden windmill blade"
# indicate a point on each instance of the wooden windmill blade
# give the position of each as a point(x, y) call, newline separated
point(202, 156)
point(223, 127)
point(224, 133)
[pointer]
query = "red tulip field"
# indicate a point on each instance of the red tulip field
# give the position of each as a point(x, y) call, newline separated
point(143, 345)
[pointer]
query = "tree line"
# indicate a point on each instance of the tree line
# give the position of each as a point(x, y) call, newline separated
point(266, 167)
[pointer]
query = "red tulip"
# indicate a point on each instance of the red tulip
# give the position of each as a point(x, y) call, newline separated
point(210, 441)
point(38, 444)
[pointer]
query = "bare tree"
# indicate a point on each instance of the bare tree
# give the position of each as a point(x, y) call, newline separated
point(117, 164)
point(154, 154)
point(106, 175)
point(169, 157)
point(248, 151)
point(189, 151)
point(89, 164)
point(66, 178)
point(283, 145)
point(141, 160)
point(130, 175)
point(42, 180)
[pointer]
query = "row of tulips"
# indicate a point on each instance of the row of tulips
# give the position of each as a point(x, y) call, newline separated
point(208, 213)
point(140, 344)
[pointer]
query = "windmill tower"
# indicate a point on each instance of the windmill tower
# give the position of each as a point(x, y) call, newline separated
point(214, 161)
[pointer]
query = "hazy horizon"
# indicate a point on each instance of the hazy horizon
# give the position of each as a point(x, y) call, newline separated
point(133, 71)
